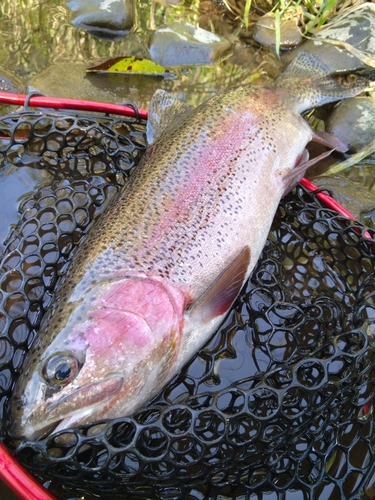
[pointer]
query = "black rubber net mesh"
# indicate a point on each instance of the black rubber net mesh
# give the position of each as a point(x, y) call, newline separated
point(277, 405)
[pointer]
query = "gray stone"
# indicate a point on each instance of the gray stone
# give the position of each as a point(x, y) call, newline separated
point(353, 121)
point(356, 27)
point(264, 32)
point(182, 44)
point(108, 19)
point(10, 82)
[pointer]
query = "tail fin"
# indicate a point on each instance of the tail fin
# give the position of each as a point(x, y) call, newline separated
point(311, 83)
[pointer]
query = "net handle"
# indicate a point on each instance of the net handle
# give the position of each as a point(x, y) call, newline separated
point(327, 199)
point(19, 480)
point(39, 101)
point(331, 203)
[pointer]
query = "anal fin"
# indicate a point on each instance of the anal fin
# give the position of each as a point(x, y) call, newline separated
point(218, 298)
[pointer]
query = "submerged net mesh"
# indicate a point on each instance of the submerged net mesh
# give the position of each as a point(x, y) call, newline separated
point(277, 405)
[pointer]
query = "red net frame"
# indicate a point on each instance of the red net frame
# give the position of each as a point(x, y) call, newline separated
point(11, 472)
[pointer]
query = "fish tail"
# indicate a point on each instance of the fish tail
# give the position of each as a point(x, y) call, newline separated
point(311, 83)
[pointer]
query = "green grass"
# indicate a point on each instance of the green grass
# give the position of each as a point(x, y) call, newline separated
point(246, 13)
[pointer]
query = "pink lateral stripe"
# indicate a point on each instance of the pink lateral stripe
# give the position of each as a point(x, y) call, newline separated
point(20, 481)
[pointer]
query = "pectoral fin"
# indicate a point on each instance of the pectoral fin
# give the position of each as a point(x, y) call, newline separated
point(218, 298)
point(295, 175)
point(330, 141)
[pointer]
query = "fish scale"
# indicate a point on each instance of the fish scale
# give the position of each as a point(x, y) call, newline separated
point(181, 237)
point(215, 193)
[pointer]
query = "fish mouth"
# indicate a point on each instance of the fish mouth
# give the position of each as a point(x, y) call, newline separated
point(70, 409)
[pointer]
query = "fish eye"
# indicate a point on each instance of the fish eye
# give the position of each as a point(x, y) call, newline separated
point(60, 369)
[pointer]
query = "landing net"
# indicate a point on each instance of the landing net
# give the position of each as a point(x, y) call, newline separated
point(277, 405)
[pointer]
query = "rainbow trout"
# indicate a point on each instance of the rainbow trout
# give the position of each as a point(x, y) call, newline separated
point(161, 268)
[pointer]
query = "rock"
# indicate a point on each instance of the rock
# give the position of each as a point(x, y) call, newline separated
point(10, 82)
point(264, 32)
point(263, 5)
point(356, 27)
point(353, 121)
point(182, 44)
point(108, 19)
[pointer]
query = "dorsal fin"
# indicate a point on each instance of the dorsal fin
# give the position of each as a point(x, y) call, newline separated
point(305, 65)
point(218, 298)
point(163, 110)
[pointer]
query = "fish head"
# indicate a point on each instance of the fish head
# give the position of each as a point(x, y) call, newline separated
point(118, 344)
point(307, 83)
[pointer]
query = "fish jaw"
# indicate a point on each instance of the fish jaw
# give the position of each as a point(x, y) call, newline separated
point(124, 348)
point(67, 411)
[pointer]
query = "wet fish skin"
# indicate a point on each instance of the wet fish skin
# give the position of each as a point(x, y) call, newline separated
point(158, 273)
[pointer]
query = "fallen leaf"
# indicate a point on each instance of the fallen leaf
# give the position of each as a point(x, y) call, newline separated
point(131, 65)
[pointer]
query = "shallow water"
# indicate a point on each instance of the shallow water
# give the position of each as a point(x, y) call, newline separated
point(44, 50)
